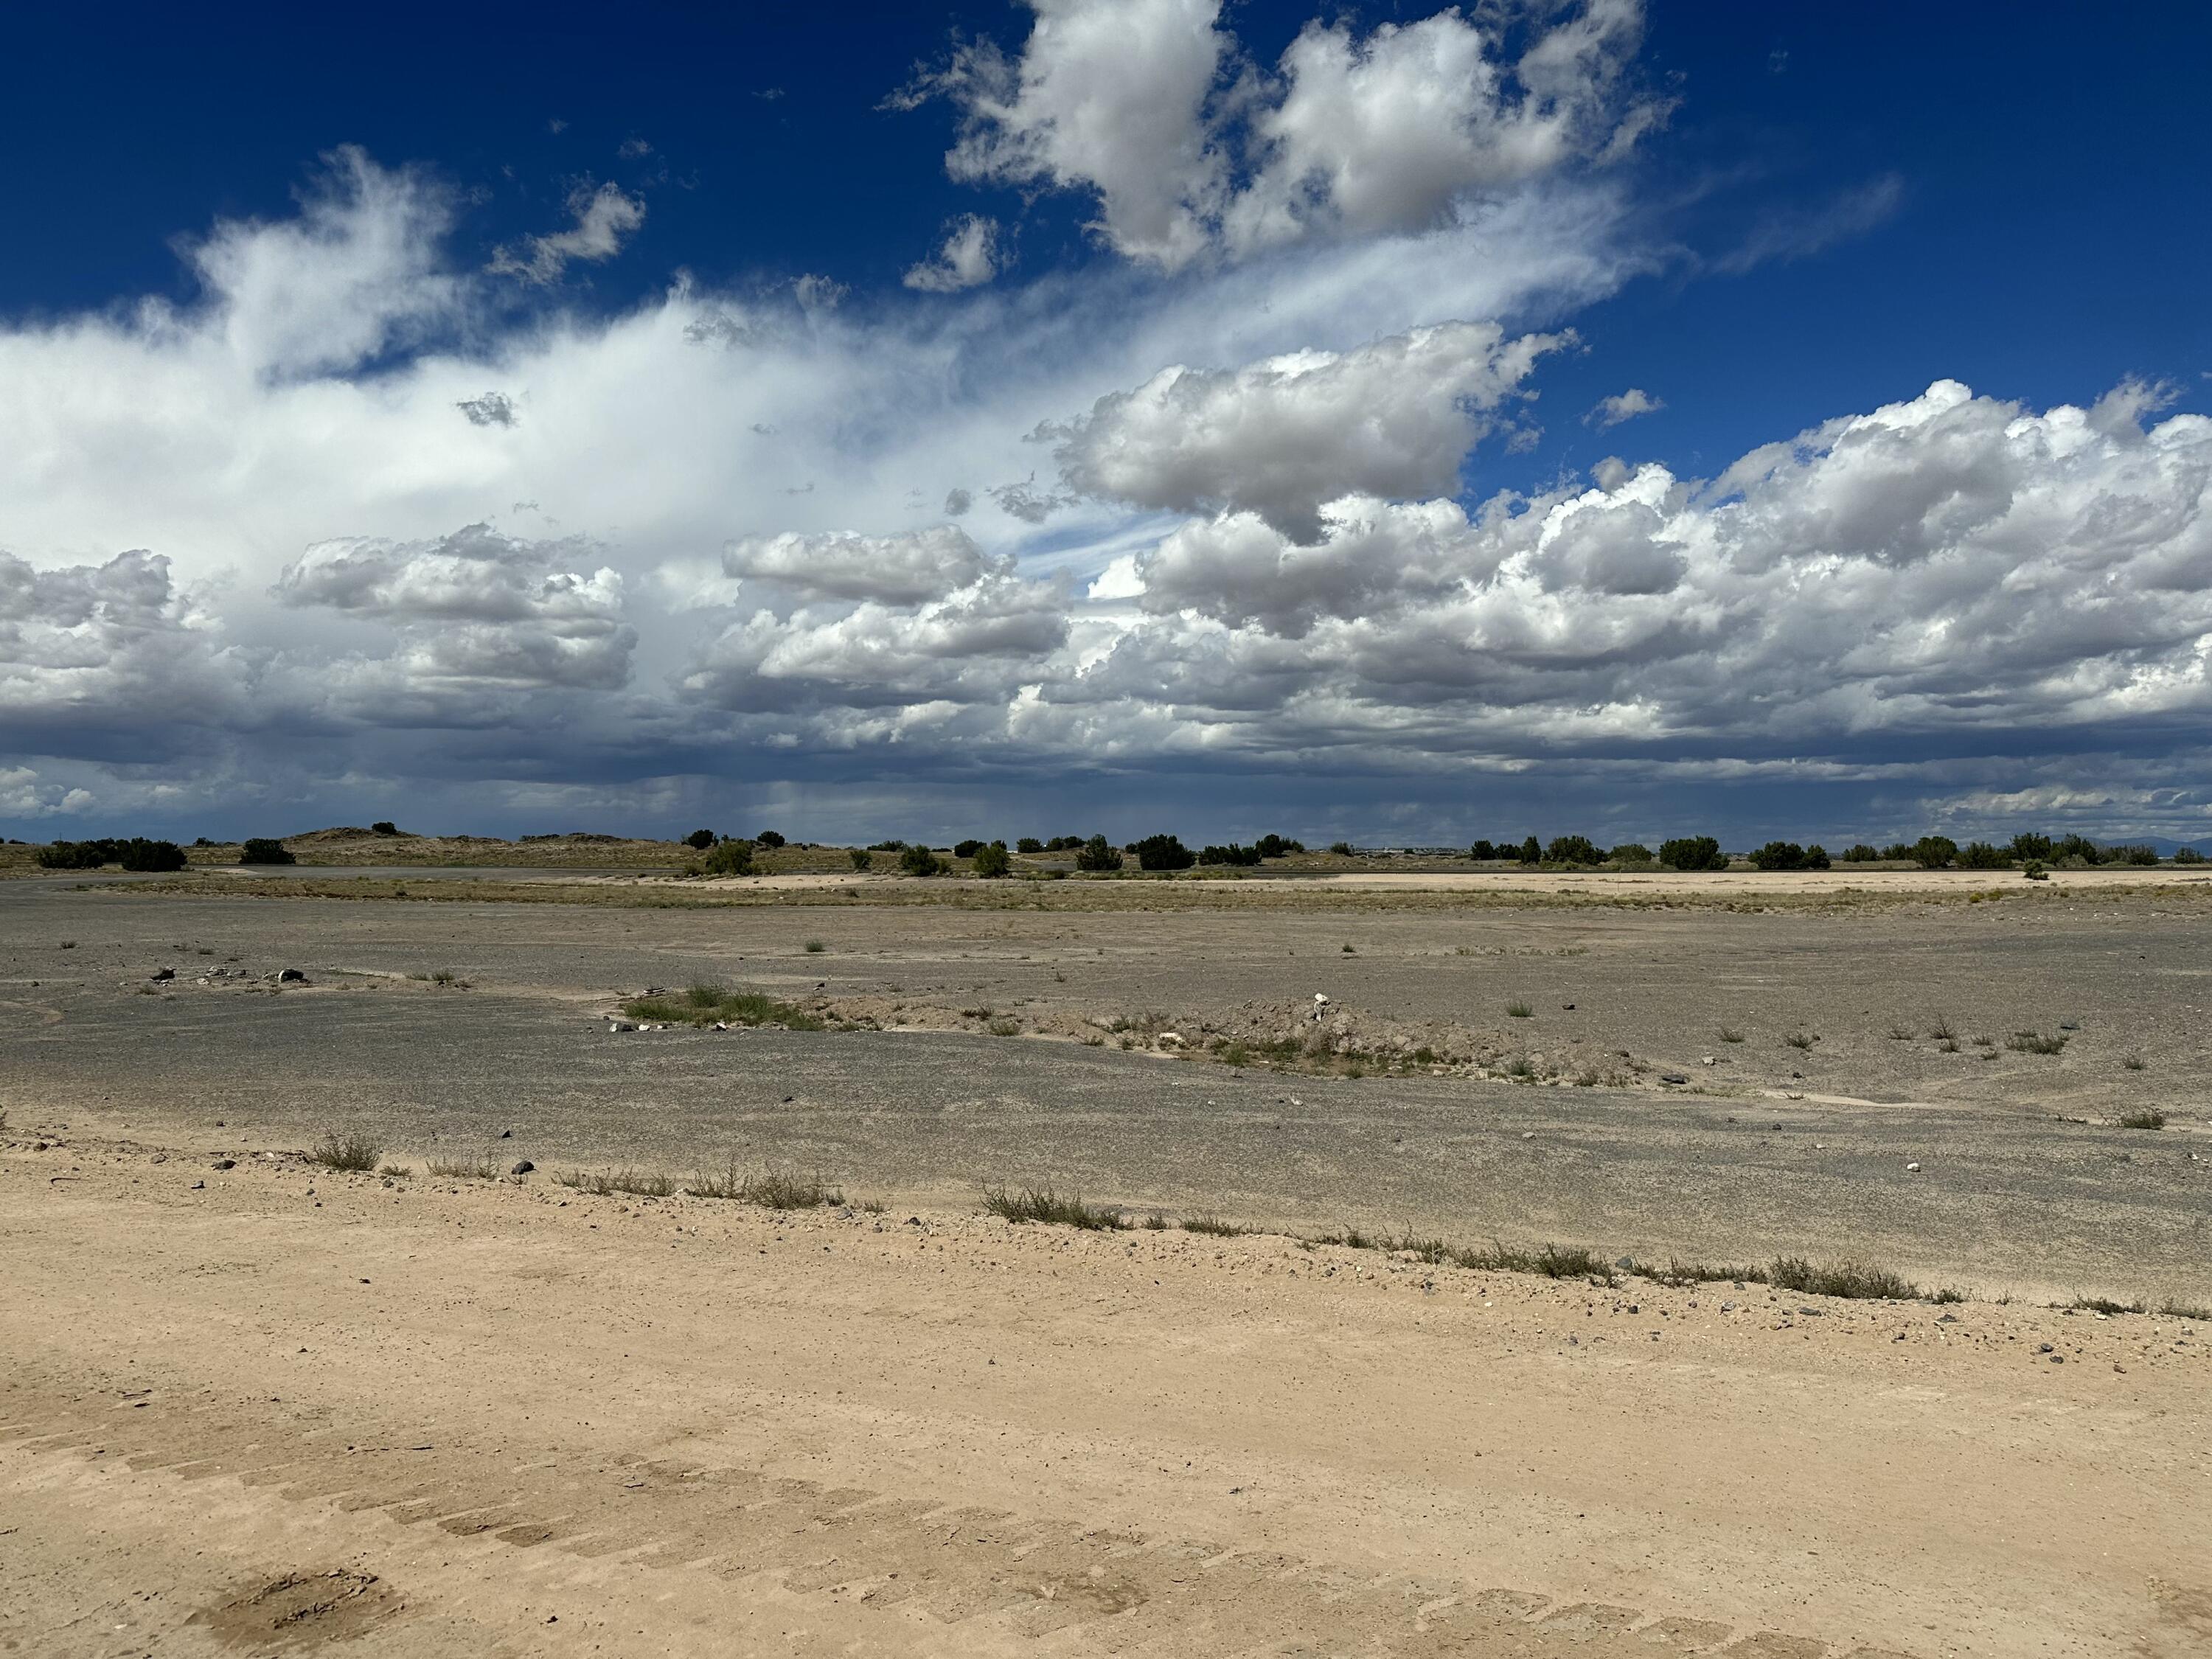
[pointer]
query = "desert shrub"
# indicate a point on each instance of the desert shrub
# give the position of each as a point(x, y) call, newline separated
point(966, 849)
point(731, 858)
point(2078, 846)
point(1484, 849)
point(1572, 849)
point(1859, 853)
point(1816, 857)
point(71, 855)
point(991, 860)
point(1778, 855)
point(1277, 847)
point(1980, 855)
point(259, 849)
point(2034, 871)
point(769, 838)
point(1231, 854)
point(1163, 852)
point(1896, 851)
point(862, 859)
point(2187, 856)
point(1934, 852)
point(2029, 844)
point(921, 861)
point(1531, 852)
point(894, 845)
point(139, 853)
point(1853, 1280)
point(2036, 1042)
point(703, 1005)
point(1341, 848)
point(1097, 854)
point(700, 839)
point(2143, 856)
point(1029, 844)
point(384, 827)
point(2150, 1119)
point(1043, 1204)
point(1631, 852)
point(354, 1152)
point(1064, 844)
point(1692, 852)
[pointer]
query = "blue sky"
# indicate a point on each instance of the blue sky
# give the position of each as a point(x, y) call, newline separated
point(535, 421)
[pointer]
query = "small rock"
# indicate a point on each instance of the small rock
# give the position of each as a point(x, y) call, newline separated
point(200, 1186)
point(2069, 1025)
point(1708, 1060)
point(507, 1134)
point(224, 1164)
point(164, 973)
point(1528, 1134)
point(2058, 1359)
point(620, 1025)
point(1672, 1076)
point(2043, 1347)
point(290, 976)
point(787, 1099)
point(1913, 1169)
point(522, 1167)
point(1623, 1261)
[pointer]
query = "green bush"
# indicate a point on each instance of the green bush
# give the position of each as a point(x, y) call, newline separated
point(1232, 854)
point(1029, 844)
point(1816, 857)
point(1097, 854)
point(2034, 871)
point(1572, 849)
point(1484, 850)
point(1896, 852)
point(1065, 844)
point(700, 839)
point(1631, 852)
point(2142, 856)
point(1980, 855)
point(259, 849)
point(769, 839)
point(731, 858)
point(1778, 855)
point(139, 853)
point(1163, 852)
point(862, 859)
point(384, 827)
point(77, 854)
point(991, 860)
point(1692, 852)
point(1277, 847)
point(1531, 851)
point(2079, 846)
point(966, 849)
point(1341, 848)
point(2029, 844)
point(921, 861)
point(2187, 856)
point(1859, 853)
point(1934, 852)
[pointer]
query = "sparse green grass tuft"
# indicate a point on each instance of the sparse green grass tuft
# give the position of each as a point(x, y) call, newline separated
point(1900, 1034)
point(604, 1183)
point(1004, 1027)
point(2149, 1118)
point(2132, 1061)
point(2185, 1309)
point(773, 1189)
point(1730, 1034)
point(1800, 1039)
point(705, 1004)
point(352, 1152)
point(1853, 1281)
point(464, 1169)
point(1213, 1226)
point(1941, 1031)
point(815, 947)
point(1043, 1204)
point(2035, 1042)
point(397, 1171)
point(1518, 1011)
point(2105, 1304)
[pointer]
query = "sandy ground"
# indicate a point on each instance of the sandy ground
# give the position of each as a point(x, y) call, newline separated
point(292, 1409)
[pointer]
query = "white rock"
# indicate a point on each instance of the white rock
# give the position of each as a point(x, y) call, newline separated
point(1912, 1168)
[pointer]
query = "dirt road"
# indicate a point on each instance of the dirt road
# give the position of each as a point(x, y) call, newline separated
point(291, 1411)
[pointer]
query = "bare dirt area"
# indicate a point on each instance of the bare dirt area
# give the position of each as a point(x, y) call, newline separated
point(250, 1405)
point(291, 1412)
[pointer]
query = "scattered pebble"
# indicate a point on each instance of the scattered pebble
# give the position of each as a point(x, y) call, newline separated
point(1913, 1169)
point(522, 1168)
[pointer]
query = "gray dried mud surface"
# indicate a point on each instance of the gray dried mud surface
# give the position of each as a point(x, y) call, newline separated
point(2026, 1182)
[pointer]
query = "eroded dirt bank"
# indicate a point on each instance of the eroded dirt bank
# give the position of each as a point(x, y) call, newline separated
point(287, 1411)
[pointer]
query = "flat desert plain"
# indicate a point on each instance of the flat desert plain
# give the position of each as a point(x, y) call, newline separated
point(251, 1404)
